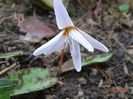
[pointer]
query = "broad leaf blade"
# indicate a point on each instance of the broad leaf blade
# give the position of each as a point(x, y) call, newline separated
point(87, 60)
point(5, 95)
point(96, 59)
point(5, 88)
point(7, 85)
point(32, 79)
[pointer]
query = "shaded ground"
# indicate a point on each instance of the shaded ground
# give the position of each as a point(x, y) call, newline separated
point(114, 30)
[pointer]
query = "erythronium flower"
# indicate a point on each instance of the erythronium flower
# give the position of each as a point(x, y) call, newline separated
point(70, 36)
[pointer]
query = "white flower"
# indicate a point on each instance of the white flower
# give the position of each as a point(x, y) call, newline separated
point(71, 36)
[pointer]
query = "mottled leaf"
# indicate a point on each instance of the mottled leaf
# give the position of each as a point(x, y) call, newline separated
point(35, 29)
point(10, 54)
point(96, 59)
point(7, 85)
point(5, 95)
point(87, 60)
point(32, 79)
point(5, 88)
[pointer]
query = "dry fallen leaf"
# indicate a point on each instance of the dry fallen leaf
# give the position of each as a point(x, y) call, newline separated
point(67, 66)
point(86, 60)
point(115, 90)
point(129, 2)
point(35, 29)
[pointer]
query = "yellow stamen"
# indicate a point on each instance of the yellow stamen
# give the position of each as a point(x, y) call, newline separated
point(68, 29)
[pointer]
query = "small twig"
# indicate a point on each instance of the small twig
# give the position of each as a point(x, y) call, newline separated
point(100, 83)
point(8, 68)
point(124, 49)
point(114, 82)
point(103, 73)
point(5, 18)
point(81, 18)
point(1, 62)
point(125, 69)
point(7, 30)
point(60, 82)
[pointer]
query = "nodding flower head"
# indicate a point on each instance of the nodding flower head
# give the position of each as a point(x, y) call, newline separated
point(70, 36)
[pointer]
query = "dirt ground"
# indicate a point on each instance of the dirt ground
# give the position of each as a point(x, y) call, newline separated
point(102, 20)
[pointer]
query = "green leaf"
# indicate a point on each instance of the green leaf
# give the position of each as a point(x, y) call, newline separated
point(5, 88)
point(5, 95)
point(32, 79)
point(113, 12)
point(10, 54)
point(97, 59)
point(7, 85)
point(87, 60)
point(124, 8)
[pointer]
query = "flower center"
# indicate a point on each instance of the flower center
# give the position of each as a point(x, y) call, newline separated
point(68, 29)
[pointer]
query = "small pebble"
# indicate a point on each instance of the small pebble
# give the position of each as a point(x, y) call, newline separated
point(94, 95)
point(80, 93)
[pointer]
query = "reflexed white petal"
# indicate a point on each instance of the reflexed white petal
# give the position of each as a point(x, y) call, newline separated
point(96, 44)
point(62, 18)
point(75, 53)
point(74, 34)
point(51, 45)
point(56, 46)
